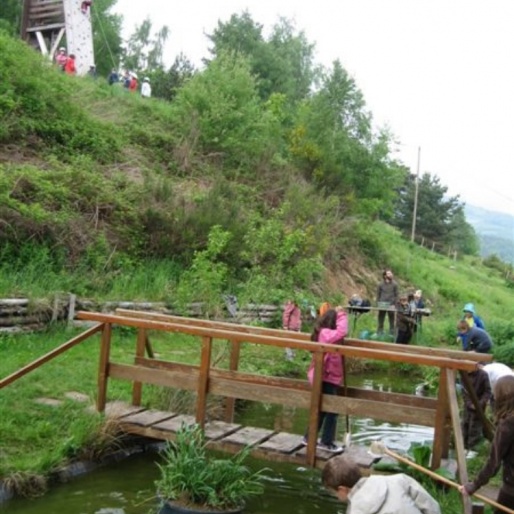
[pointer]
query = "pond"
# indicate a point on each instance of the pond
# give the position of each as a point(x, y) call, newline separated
point(128, 487)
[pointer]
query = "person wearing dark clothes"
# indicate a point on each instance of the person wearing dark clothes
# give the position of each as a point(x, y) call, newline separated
point(472, 426)
point(113, 77)
point(473, 339)
point(387, 296)
point(405, 321)
point(502, 447)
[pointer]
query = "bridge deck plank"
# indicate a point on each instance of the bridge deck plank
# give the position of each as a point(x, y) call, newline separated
point(282, 443)
point(148, 417)
point(231, 437)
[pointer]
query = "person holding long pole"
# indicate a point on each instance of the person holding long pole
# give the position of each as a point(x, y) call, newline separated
point(502, 447)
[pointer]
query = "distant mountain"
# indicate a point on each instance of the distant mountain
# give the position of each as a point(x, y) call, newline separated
point(495, 231)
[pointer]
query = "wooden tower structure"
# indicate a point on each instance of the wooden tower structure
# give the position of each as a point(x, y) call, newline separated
point(50, 24)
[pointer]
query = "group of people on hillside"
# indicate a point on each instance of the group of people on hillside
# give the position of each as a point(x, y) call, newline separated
point(129, 80)
point(493, 384)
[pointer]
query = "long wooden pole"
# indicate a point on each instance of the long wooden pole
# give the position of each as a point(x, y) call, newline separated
point(445, 480)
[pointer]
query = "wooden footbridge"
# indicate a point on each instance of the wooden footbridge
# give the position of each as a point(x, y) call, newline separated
point(205, 379)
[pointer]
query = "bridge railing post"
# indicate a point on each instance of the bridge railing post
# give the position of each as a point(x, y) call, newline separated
point(316, 403)
point(230, 403)
point(457, 434)
point(137, 387)
point(103, 367)
point(203, 380)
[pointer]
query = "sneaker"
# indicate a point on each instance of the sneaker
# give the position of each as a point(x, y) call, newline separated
point(332, 448)
point(304, 441)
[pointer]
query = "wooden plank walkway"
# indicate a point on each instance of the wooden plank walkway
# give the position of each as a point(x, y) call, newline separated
point(227, 437)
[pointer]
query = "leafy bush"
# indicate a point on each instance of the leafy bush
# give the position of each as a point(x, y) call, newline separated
point(190, 475)
point(505, 354)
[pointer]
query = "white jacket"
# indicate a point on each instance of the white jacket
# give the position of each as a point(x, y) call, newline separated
point(146, 90)
point(393, 494)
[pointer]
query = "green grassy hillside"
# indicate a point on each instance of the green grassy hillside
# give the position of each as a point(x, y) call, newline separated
point(108, 195)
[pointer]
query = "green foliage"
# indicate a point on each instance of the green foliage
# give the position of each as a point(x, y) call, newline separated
point(10, 16)
point(106, 36)
point(204, 281)
point(194, 477)
point(282, 64)
point(439, 219)
point(144, 50)
point(40, 107)
point(68, 209)
point(166, 84)
point(218, 113)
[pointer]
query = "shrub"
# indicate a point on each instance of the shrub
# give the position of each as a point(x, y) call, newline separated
point(190, 475)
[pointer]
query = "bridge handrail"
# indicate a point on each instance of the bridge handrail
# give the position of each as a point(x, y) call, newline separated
point(350, 351)
point(303, 336)
point(49, 356)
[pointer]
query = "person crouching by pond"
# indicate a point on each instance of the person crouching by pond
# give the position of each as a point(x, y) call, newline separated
point(387, 296)
point(331, 328)
point(473, 339)
point(405, 321)
point(502, 447)
point(377, 494)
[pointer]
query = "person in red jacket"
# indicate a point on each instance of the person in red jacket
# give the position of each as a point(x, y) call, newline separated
point(133, 83)
point(69, 67)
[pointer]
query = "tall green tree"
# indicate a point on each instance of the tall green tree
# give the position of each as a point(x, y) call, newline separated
point(144, 49)
point(282, 64)
point(334, 144)
point(166, 83)
point(440, 218)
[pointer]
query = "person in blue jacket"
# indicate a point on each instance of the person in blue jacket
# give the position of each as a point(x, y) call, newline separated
point(473, 339)
point(471, 317)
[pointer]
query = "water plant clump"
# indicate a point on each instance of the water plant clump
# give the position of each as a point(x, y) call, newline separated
point(192, 476)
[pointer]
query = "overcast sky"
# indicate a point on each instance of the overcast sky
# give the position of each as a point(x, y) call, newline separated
point(438, 73)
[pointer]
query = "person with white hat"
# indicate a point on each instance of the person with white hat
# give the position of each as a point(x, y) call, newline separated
point(146, 88)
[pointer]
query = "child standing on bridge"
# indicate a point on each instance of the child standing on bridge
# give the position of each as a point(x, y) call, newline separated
point(331, 328)
point(502, 447)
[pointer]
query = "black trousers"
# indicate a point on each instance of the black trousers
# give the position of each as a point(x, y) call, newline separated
point(381, 319)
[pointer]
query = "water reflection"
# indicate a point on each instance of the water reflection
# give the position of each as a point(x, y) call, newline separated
point(397, 437)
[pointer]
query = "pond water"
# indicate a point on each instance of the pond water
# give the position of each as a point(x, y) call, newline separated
point(128, 487)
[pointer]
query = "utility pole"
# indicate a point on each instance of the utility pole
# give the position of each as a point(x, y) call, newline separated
point(415, 209)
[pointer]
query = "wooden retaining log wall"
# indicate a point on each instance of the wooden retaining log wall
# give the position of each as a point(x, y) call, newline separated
point(22, 314)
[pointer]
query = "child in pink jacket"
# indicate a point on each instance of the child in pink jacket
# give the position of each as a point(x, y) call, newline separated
point(330, 328)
